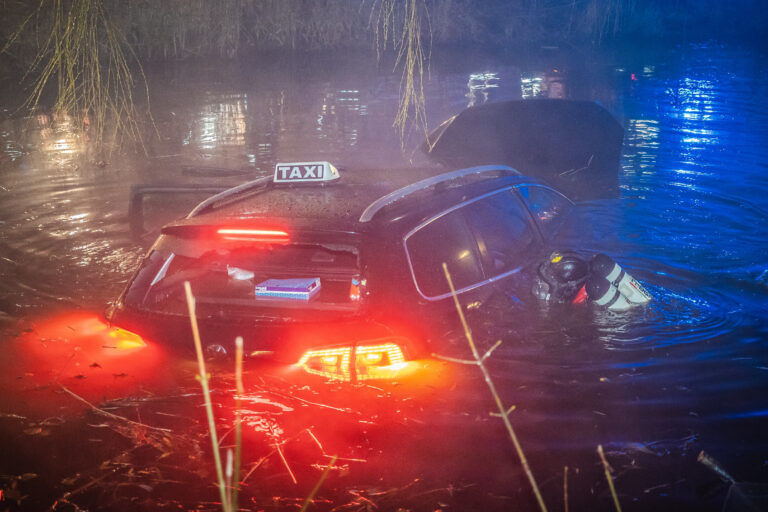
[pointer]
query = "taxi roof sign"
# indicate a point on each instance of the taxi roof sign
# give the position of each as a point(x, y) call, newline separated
point(303, 172)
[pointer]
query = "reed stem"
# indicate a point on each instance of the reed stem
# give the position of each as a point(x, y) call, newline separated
point(503, 412)
point(207, 395)
point(707, 460)
point(609, 478)
point(316, 488)
point(238, 419)
point(565, 488)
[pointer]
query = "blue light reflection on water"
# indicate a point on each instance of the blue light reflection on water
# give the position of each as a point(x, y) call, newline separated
point(750, 414)
point(691, 224)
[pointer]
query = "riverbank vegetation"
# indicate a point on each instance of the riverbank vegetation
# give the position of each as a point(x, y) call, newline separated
point(79, 48)
point(174, 29)
point(85, 56)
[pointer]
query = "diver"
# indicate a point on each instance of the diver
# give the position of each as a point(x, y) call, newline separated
point(567, 278)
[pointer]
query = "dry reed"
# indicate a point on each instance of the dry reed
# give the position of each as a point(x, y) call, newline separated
point(609, 478)
point(707, 460)
point(225, 498)
point(565, 489)
point(479, 361)
point(316, 488)
point(235, 483)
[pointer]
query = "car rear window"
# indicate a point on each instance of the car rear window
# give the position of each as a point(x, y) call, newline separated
point(247, 279)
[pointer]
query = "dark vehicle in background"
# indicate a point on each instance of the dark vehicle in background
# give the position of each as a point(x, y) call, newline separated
point(574, 146)
point(373, 244)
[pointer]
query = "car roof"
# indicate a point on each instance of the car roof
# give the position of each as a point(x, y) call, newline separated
point(337, 204)
point(347, 203)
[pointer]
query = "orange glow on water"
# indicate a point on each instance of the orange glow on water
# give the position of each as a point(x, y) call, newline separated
point(125, 340)
point(81, 352)
point(83, 332)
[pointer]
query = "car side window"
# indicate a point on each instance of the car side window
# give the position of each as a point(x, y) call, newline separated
point(503, 230)
point(445, 239)
point(548, 207)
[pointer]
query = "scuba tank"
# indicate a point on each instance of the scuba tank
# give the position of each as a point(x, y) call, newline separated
point(602, 292)
point(602, 267)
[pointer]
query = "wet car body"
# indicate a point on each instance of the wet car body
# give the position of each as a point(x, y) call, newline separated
point(375, 240)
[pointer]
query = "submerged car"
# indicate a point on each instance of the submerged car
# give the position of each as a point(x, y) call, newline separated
point(341, 274)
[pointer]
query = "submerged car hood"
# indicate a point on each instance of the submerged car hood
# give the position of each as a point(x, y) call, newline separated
point(573, 145)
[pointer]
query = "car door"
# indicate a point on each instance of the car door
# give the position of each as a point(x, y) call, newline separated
point(490, 244)
point(508, 241)
point(483, 240)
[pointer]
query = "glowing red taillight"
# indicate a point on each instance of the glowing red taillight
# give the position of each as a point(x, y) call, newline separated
point(359, 362)
point(257, 235)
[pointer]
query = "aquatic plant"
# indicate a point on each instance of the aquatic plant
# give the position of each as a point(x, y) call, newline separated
point(176, 29)
point(234, 479)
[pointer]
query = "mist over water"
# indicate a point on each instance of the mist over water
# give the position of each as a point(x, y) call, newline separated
point(654, 385)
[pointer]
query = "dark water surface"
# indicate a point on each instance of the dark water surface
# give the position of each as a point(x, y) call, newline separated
point(655, 386)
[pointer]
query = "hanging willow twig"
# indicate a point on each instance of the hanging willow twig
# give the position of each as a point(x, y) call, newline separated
point(402, 23)
point(85, 54)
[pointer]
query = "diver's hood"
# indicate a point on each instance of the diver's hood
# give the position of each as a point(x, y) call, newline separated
point(573, 145)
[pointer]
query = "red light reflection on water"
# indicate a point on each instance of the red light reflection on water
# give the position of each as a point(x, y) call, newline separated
point(81, 352)
point(294, 423)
